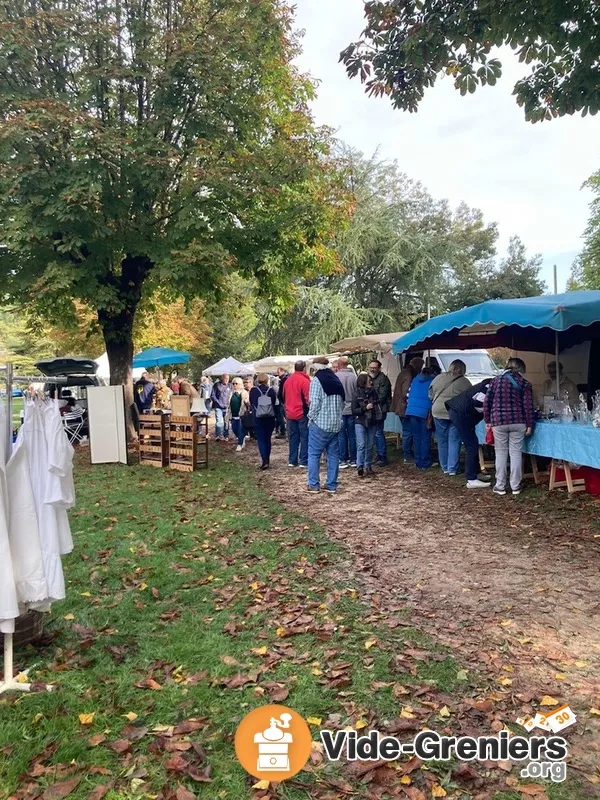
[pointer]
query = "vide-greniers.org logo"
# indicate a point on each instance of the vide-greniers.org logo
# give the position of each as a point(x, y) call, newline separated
point(547, 754)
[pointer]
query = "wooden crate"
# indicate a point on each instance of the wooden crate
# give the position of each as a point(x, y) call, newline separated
point(188, 443)
point(154, 441)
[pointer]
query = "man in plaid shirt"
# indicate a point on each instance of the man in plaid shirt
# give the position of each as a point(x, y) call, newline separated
point(508, 409)
point(326, 405)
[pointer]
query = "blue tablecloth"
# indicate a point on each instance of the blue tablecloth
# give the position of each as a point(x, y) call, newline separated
point(579, 444)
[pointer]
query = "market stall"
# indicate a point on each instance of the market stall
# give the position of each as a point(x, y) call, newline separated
point(548, 324)
point(229, 366)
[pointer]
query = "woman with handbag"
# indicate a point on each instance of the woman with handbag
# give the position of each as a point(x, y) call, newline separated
point(367, 413)
point(444, 387)
point(418, 412)
point(508, 410)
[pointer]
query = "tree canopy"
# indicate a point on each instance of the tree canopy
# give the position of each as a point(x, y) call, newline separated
point(155, 144)
point(586, 270)
point(401, 252)
point(407, 45)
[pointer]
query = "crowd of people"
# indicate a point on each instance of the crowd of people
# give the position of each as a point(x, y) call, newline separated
point(341, 415)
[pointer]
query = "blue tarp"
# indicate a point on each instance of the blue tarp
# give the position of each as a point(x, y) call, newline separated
point(160, 357)
point(529, 323)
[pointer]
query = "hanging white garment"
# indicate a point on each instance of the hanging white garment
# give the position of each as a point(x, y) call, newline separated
point(32, 435)
point(61, 487)
point(9, 606)
point(23, 531)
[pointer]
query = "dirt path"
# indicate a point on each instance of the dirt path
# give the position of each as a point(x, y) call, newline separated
point(510, 584)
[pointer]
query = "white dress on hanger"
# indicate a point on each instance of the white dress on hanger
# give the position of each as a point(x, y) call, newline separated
point(60, 486)
point(52, 536)
point(23, 530)
point(9, 606)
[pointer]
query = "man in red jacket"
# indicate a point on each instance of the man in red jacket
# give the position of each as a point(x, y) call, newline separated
point(295, 400)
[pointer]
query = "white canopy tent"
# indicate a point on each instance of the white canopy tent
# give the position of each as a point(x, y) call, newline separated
point(370, 343)
point(103, 371)
point(229, 366)
point(271, 363)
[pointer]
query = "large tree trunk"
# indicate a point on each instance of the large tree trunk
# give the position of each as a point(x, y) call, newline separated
point(117, 329)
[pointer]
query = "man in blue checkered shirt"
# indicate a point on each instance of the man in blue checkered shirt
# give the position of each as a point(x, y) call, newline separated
point(326, 405)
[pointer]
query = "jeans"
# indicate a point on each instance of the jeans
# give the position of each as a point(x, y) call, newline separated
point(280, 420)
point(238, 429)
point(508, 441)
point(298, 441)
point(448, 440)
point(407, 440)
point(264, 432)
point(466, 431)
point(320, 441)
point(380, 442)
point(348, 440)
point(421, 442)
point(221, 424)
point(365, 440)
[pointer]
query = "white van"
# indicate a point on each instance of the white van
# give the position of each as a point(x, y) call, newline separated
point(479, 362)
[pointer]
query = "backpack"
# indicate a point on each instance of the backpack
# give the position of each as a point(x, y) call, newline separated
point(264, 407)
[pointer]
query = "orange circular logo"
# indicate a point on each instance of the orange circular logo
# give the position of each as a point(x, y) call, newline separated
point(273, 743)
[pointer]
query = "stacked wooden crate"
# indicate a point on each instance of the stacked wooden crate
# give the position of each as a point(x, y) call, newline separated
point(188, 443)
point(154, 442)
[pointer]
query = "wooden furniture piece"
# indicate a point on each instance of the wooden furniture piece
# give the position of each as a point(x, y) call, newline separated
point(188, 448)
point(572, 484)
point(154, 442)
point(180, 405)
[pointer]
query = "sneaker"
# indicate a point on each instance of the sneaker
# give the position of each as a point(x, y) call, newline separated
point(293, 465)
point(313, 491)
point(263, 467)
point(303, 466)
point(331, 491)
point(517, 491)
point(353, 465)
point(361, 472)
point(451, 474)
point(477, 484)
point(239, 448)
point(344, 465)
point(501, 492)
point(370, 472)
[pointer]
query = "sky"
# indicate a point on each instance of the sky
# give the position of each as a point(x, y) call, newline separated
point(477, 149)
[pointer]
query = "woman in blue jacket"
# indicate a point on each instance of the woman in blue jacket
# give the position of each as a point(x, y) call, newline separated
point(418, 407)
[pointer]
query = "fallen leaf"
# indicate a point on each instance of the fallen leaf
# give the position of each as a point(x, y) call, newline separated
point(505, 681)
point(361, 724)
point(87, 719)
point(370, 643)
point(261, 785)
point(438, 791)
point(531, 789)
point(445, 713)
point(313, 720)
point(120, 745)
point(148, 683)
point(462, 675)
point(259, 651)
point(184, 794)
point(99, 791)
point(595, 711)
point(69, 616)
point(547, 700)
point(131, 716)
point(188, 726)
point(59, 790)
point(96, 739)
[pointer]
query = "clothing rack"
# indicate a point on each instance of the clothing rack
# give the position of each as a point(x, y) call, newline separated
point(11, 681)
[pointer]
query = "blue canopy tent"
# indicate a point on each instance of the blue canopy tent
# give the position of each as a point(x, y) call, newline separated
point(160, 357)
point(529, 323)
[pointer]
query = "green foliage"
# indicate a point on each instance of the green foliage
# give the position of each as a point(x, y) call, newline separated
point(20, 343)
point(516, 275)
point(401, 252)
point(406, 45)
point(586, 270)
point(155, 144)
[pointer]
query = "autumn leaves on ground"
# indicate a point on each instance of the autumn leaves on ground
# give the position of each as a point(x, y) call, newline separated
point(194, 598)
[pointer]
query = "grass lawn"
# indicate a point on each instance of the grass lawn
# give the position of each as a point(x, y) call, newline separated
point(191, 600)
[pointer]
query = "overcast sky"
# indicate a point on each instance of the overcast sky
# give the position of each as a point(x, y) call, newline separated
point(478, 149)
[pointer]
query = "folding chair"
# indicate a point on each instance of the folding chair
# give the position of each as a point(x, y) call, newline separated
point(73, 425)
